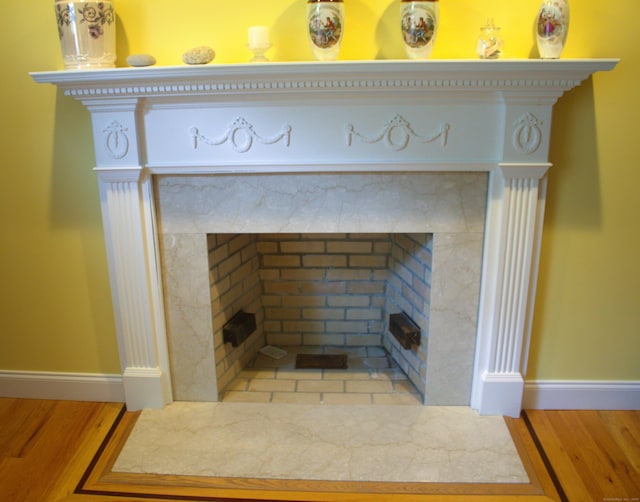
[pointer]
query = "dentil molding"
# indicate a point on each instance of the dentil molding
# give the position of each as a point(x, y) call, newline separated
point(285, 78)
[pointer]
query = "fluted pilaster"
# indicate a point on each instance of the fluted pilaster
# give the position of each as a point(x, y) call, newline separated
point(512, 246)
point(126, 196)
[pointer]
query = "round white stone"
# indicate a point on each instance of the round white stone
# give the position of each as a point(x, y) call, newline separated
point(141, 60)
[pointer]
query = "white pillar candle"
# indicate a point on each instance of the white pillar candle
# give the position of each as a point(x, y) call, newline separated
point(258, 36)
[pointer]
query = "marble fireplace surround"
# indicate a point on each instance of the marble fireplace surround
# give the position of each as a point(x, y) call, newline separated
point(458, 148)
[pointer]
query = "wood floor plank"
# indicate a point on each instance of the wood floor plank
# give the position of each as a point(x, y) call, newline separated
point(92, 437)
point(624, 427)
point(581, 450)
point(531, 458)
point(21, 420)
point(10, 480)
point(104, 462)
point(622, 479)
point(48, 436)
point(526, 450)
point(362, 497)
point(603, 479)
point(21, 477)
point(602, 465)
point(561, 459)
point(55, 445)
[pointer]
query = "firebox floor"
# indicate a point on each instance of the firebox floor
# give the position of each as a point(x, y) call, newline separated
point(372, 377)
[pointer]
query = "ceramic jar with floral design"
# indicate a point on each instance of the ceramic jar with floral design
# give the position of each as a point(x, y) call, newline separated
point(419, 25)
point(325, 26)
point(552, 28)
point(87, 31)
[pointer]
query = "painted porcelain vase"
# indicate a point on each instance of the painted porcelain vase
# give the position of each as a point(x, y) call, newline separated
point(325, 26)
point(87, 32)
point(419, 25)
point(552, 27)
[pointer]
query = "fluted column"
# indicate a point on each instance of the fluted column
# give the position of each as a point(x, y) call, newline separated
point(126, 194)
point(512, 247)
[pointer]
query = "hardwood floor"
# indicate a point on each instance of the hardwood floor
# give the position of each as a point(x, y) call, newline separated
point(47, 447)
point(594, 454)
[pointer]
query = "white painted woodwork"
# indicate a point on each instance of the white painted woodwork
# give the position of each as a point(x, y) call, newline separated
point(376, 116)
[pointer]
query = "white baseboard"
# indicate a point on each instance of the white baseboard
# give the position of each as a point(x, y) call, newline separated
point(581, 395)
point(538, 394)
point(62, 386)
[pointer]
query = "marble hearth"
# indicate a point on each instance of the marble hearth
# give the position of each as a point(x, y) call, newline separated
point(454, 148)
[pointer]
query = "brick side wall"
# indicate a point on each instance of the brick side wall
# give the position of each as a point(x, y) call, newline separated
point(409, 291)
point(235, 285)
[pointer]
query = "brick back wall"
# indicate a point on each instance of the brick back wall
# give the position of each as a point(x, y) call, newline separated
point(235, 285)
point(324, 289)
point(409, 290)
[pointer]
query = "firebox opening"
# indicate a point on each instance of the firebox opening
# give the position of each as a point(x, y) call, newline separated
point(320, 293)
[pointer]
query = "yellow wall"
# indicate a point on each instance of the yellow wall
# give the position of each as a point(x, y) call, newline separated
point(55, 308)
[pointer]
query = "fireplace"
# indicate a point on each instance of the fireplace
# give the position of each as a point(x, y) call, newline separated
point(456, 149)
point(320, 292)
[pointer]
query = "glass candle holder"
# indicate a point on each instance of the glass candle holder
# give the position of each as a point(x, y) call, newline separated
point(87, 32)
point(490, 44)
point(259, 43)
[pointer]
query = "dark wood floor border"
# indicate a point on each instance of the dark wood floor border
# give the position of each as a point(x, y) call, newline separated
point(545, 458)
point(193, 498)
point(100, 450)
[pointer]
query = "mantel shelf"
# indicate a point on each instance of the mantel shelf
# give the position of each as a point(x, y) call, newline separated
point(559, 75)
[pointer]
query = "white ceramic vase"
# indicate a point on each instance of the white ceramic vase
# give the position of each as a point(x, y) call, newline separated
point(552, 28)
point(419, 25)
point(325, 26)
point(87, 32)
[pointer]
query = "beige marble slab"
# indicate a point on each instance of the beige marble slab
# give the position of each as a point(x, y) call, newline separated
point(320, 442)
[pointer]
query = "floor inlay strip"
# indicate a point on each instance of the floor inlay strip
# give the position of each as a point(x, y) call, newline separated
point(101, 449)
point(545, 458)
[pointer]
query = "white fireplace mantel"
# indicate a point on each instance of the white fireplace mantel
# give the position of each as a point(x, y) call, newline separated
point(377, 116)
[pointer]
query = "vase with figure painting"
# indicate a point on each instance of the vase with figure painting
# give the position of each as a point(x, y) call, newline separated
point(552, 28)
point(419, 26)
point(325, 26)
